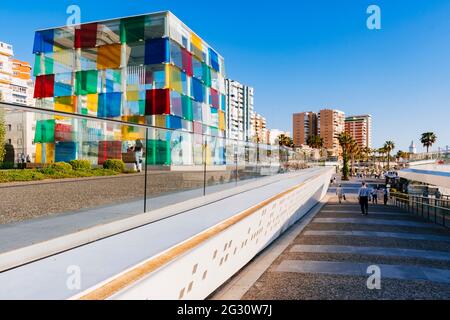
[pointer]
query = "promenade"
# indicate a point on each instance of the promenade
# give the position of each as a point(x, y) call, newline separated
point(327, 255)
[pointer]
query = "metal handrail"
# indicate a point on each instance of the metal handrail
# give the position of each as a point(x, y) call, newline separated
point(429, 208)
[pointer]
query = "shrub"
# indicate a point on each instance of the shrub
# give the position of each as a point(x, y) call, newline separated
point(114, 165)
point(20, 175)
point(58, 170)
point(80, 165)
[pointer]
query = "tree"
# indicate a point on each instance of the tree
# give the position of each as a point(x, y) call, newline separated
point(389, 146)
point(428, 139)
point(354, 153)
point(315, 142)
point(2, 136)
point(345, 141)
point(284, 140)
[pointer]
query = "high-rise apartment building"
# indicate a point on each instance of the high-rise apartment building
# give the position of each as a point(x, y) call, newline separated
point(258, 128)
point(239, 110)
point(360, 128)
point(331, 124)
point(305, 124)
point(16, 87)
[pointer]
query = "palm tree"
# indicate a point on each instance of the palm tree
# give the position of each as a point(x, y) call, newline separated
point(389, 146)
point(315, 142)
point(345, 141)
point(284, 140)
point(354, 153)
point(428, 139)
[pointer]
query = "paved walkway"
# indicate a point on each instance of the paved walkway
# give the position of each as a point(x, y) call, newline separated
point(330, 257)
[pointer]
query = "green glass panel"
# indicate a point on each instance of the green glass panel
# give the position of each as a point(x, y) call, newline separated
point(45, 131)
point(132, 29)
point(37, 65)
point(206, 75)
point(86, 82)
point(48, 63)
point(187, 108)
point(158, 152)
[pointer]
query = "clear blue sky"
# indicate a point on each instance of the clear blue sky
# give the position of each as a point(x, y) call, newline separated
point(302, 55)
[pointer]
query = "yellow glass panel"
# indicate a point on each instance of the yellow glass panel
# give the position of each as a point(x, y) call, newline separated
point(175, 82)
point(196, 41)
point(38, 153)
point(65, 104)
point(160, 121)
point(221, 120)
point(108, 57)
point(49, 152)
point(133, 95)
point(92, 102)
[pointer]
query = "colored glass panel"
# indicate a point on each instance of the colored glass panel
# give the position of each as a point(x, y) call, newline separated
point(221, 120)
point(174, 123)
point(158, 152)
point(176, 107)
point(157, 102)
point(109, 150)
point(44, 87)
point(43, 41)
point(109, 105)
point(113, 81)
point(108, 57)
point(65, 151)
point(187, 107)
point(187, 62)
point(198, 90)
point(176, 56)
point(63, 132)
point(63, 84)
point(86, 36)
point(92, 102)
point(132, 29)
point(196, 111)
point(157, 51)
point(214, 98)
point(155, 77)
point(206, 74)
point(214, 60)
point(66, 104)
point(45, 131)
point(86, 82)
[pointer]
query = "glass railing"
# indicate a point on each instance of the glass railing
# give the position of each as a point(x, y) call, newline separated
point(99, 171)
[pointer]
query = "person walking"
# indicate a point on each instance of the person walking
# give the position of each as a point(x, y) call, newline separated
point(386, 196)
point(340, 193)
point(138, 151)
point(375, 195)
point(363, 196)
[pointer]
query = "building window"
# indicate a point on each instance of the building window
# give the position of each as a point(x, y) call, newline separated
point(19, 142)
point(9, 127)
point(9, 141)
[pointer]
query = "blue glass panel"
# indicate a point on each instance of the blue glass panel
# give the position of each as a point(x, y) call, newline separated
point(214, 60)
point(198, 92)
point(157, 51)
point(109, 105)
point(43, 41)
point(174, 122)
point(65, 151)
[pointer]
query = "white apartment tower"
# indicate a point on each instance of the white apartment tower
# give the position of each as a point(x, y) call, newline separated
point(239, 110)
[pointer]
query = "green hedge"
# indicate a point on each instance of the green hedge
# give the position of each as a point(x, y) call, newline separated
point(80, 165)
point(20, 175)
point(115, 165)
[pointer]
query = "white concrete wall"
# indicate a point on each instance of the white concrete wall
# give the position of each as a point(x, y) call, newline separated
point(200, 271)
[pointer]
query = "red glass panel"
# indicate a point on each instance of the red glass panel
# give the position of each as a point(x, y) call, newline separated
point(157, 102)
point(187, 62)
point(44, 87)
point(214, 99)
point(86, 36)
